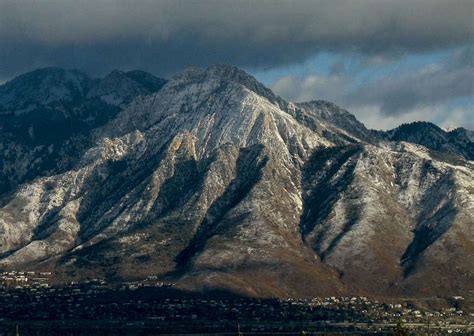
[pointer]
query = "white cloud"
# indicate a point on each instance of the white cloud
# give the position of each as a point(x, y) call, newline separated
point(311, 87)
point(458, 117)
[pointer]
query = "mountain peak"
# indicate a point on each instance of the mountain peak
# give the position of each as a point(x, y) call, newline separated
point(149, 81)
point(55, 85)
point(321, 103)
point(328, 112)
point(120, 87)
point(457, 142)
point(229, 73)
point(115, 74)
point(221, 71)
point(461, 131)
point(235, 74)
point(44, 86)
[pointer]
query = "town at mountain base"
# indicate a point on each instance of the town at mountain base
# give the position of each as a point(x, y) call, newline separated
point(212, 181)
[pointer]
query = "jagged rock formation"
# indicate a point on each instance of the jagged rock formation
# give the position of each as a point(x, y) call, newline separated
point(214, 181)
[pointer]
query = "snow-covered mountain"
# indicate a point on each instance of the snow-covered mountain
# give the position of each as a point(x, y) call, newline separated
point(215, 182)
point(46, 117)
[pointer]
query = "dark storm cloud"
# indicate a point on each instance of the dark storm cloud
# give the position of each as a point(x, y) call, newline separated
point(164, 36)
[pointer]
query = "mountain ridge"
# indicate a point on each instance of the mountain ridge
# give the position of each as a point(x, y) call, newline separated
point(213, 181)
point(46, 119)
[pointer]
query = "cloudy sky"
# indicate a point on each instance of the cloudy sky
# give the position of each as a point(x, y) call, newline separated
point(386, 61)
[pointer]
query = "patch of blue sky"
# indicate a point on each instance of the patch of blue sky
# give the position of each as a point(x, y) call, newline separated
point(360, 68)
point(322, 63)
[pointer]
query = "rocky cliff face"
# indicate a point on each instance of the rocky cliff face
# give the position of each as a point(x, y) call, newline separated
point(213, 181)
